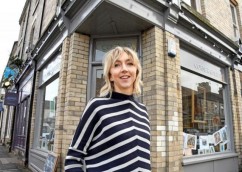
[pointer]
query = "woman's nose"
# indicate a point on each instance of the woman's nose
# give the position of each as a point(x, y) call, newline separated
point(124, 67)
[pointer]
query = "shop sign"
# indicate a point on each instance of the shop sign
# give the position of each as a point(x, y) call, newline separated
point(51, 69)
point(11, 99)
point(202, 66)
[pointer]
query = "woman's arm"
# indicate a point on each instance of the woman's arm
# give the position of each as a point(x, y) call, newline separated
point(78, 148)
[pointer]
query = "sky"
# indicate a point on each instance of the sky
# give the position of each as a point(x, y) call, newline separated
point(10, 12)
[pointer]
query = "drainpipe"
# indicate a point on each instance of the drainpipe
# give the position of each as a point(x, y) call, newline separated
point(12, 130)
point(12, 126)
point(30, 116)
point(1, 125)
point(6, 127)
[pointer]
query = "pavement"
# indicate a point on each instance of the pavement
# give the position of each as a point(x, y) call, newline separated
point(9, 162)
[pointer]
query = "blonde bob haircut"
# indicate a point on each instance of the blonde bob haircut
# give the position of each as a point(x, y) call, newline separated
point(109, 59)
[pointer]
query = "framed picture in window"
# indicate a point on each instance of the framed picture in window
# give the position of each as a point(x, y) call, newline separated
point(191, 141)
point(217, 138)
point(221, 146)
point(212, 150)
point(51, 162)
point(201, 151)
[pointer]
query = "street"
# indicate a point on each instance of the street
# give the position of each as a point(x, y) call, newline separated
point(9, 162)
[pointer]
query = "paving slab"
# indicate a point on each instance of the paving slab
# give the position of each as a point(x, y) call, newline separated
point(9, 162)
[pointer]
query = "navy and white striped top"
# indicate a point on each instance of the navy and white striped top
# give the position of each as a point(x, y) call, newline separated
point(113, 135)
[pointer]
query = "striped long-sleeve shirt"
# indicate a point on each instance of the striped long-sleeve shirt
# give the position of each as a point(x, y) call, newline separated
point(113, 135)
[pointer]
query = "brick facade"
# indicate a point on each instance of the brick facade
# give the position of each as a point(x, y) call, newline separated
point(49, 13)
point(220, 9)
point(72, 91)
point(34, 109)
point(162, 97)
point(60, 111)
point(235, 92)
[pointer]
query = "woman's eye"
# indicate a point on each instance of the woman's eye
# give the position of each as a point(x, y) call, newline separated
point(116, 65)
point(130, 64)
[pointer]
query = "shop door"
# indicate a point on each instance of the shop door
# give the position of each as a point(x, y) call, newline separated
point(21, 125)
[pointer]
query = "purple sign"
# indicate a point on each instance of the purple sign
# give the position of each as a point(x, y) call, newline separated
point(11, 99)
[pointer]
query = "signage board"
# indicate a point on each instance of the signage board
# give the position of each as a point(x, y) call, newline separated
point(11, 99)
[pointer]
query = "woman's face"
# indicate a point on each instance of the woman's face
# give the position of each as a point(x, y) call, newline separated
point(123, 74)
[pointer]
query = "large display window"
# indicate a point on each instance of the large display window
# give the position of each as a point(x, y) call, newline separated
point(47, 125)
point(204, 121)
point(46, 104)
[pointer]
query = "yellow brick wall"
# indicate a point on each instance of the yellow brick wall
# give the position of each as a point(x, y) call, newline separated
point(72, 89)
point(235, 92)
point(49, 13)
point(59, 120)
point(217, 11)
point(34, 109)
point(162, 97)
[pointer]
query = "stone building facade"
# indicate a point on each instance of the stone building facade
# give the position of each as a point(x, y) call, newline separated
point(191, 72)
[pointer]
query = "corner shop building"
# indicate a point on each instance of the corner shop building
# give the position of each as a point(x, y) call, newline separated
point(188, 84)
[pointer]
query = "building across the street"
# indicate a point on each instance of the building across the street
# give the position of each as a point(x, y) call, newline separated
point(190, 51)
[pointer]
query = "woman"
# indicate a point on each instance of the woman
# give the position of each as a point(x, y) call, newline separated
point(114, 132)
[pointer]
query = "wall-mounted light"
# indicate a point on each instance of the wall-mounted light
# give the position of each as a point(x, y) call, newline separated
point(6, 84)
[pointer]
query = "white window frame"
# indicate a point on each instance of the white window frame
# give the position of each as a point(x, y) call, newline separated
point(196, 4)
point(235, 22)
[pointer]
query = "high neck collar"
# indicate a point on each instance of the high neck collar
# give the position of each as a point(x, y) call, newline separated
point(116, 95)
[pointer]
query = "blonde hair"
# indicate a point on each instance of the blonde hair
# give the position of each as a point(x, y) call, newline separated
point(109, 59)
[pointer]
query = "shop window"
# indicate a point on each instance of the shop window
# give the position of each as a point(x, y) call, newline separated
point(195, 4)
point(98, 76)
point(47, 125)
point(204, 123)
point(101, 46)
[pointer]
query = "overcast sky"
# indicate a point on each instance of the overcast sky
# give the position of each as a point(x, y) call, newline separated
point(10, 12)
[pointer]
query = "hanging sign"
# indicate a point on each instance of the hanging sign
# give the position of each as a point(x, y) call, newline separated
point(11, 99)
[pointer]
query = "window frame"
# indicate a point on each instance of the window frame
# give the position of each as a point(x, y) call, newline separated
point(228, 122)
point(195, 4)
point(234, 21)
point(41, 93)
point(40, 110)
point(96, 65)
